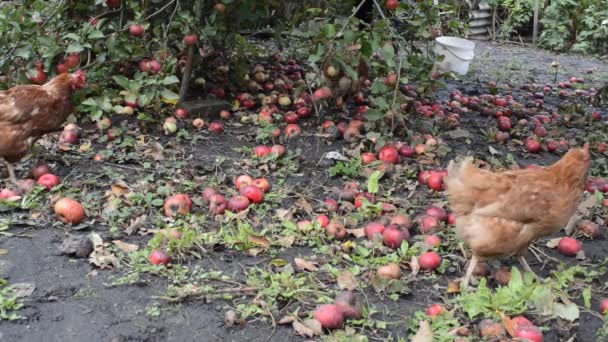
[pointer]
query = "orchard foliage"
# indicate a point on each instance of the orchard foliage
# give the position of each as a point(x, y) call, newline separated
point(135, 52)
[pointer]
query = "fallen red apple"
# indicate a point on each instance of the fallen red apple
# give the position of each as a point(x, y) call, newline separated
point(207, 193)
point(432, 240)
point(40, 170)
point(374, 230)
point(434, 310)
point(393, 236)
point(7, 193)
point(279, 150)
point(323, 220)
point(181, 113)
point(367, 158)
point(262, 184)
point(216, 127)
point(389, 154)
point(238, 203)
point(253, 193)
point(177, 204)
point(158, 257)
point(49, 181)
point(198, 123)
point(261, 150)
point(217, 204)
point(292, 130)
point(335, 229)
point(403, 221)
point(242, 181)
point(330, 316)
point(429, 261)
point(390, 271)
point(348, 302)
point(568, 246)
point(437, 212)
point(69, 211)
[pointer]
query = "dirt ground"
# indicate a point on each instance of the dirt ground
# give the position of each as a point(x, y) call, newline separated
point(74, 302)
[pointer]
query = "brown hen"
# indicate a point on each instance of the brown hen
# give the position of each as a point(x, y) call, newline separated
point(499, 214)
point(29, 111)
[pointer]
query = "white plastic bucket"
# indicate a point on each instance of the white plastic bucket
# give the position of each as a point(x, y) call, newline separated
point(458, 54)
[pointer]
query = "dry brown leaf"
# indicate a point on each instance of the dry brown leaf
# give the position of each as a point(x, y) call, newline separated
point(285, 214)
point(103, 259)
point(347, 281)
point(453, 287)
point(156, 152)
point(304, 205)
point(304, 265)
point(231, 318)
point(254, 251)
point(22, 290)
point(119, 189)
point(358, 232)
point(85, 147)
point(286, 241)
point(553, 243)
point(302, 330)
point(581, 255)
point(414, 265)
point(125, 247)
point(314, 325)
point(287, 320)
point(136, 224)
point(259, 240)
point(424, 334)
point(35, 214)
point(509, 324)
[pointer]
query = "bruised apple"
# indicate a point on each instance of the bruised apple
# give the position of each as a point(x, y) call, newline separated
point(177, 204)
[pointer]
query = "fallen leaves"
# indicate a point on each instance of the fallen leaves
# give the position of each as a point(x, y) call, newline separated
point(259, 241)
point(346, 281)
point(100, 257)
point(424, 333)
point(308, 328)
point(305, 265)
point(125, 247)
point(22, 290)
point(136, 224)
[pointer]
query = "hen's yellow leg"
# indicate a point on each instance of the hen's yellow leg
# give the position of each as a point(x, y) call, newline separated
point(11, 172)
point(527, 268)
point(464, 283)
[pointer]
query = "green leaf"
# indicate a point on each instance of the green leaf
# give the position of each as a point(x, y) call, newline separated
point(89, 102)
point(122, 81)
point(587, 297)
point(372, 182)
point(72, 36)
point(568, 311)
point(96, 34)
point(145, 99)
point(374, 115)
point(516, 283)
point(158, 202)
point(74, 47)
point(168, 94)
point(172, 79)
point(23, 52)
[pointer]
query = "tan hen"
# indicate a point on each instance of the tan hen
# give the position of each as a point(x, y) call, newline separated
point(499, 214)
